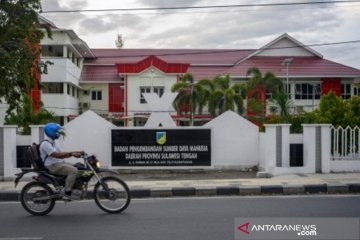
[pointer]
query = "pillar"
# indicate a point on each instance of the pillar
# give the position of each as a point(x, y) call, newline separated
point(8, 150)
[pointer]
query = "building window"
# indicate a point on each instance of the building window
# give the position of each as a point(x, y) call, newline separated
point(288, 89)
point(304, 91)
point(52, 51)
point(144, 90)
point(57, 88)
point(356, 91)
point(346, 91)
point(159, 91)
point(96, 95)
point(73, 91)
point(68, 89)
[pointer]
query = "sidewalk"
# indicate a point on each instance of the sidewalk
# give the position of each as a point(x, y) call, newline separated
point(146, 185)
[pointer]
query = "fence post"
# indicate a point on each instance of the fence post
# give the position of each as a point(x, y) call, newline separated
point(325, 147)
point(8, 150)
point(309, 140)
point(317, 146)
point(37, 133)
point(277, 152)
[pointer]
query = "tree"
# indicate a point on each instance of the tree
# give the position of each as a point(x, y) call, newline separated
point(191, 96)
point(280, 103)
point(258, 85)
point(338, 112)
point(20, 37)
point(352, 116)
point(26, 116)
point(331, 109)
point(225, 96)
point(183, 99)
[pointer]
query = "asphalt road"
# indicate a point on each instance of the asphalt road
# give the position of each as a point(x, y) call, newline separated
point(174, 218)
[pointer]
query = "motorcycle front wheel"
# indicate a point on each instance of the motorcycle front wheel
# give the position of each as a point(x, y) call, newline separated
point(35, 198)
point(112, 195)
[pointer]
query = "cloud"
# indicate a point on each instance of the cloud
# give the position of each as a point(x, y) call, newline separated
point(166, 3)
point(102, 24)
point(64, 20)
point(229, 29)
point(250, 27)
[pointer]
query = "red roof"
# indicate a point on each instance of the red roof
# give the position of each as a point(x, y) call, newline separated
point(300, 67)
point(193, 56)
point(100, 73)
point(152, 61)
point(208, 63)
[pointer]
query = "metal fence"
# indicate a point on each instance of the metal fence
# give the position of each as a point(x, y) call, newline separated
point(345, 143)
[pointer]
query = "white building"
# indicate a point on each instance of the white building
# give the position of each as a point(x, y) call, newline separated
point(111, 81)
point(61, 87)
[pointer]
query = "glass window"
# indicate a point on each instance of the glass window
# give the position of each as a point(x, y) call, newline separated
point(68, 89)
point(53, 88)
point(356, 91)
point(96, 95)
point(346, 90)
point(307, 91)
point(144, 90)
point(159, 91)
point(52, 51)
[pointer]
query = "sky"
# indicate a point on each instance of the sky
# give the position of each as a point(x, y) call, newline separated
point(219, 28)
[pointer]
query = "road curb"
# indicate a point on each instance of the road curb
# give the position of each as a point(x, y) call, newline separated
point(333, 188)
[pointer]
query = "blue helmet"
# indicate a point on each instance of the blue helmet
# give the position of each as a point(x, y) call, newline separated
point(53, 130)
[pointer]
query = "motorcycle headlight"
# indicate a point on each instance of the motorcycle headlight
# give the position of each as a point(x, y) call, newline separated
point(97, 164)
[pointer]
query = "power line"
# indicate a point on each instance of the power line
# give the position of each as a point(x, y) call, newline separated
point(228, 11)
point(198, 7)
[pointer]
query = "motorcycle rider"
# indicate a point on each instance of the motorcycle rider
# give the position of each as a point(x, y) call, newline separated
point(53, 157)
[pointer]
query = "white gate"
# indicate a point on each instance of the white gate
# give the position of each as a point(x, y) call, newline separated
point(345, 143)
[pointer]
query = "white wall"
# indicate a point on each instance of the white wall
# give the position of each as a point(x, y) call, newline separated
point(62, 70)
point(96, 106)
point(235, 141)
point(9, 143)
point(345, 165)
point(58, 38)
point(285, 47)
point(60, 104)
point(152, 77)
point(236, 144)
point(90, 133)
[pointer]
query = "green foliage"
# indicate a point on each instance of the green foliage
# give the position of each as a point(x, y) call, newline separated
point(19, 48)
point(217, 94)
point(338, 112)
point(257, 83)
point(281, 105)
point(352, 116)
point(25, 116)
point(332, 110)
point(224, 96)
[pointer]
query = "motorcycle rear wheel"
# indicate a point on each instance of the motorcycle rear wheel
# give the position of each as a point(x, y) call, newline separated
point(34, 190)
point(117, 199)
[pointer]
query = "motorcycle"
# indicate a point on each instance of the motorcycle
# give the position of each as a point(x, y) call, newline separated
point(111, 194)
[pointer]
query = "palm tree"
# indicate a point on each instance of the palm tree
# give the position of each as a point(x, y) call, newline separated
point(192, 96)
point(183, 99)
point(280, 103)
point(224, 96)
point(258, 85)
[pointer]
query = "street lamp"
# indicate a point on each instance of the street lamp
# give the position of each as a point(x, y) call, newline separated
point(286, 62)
